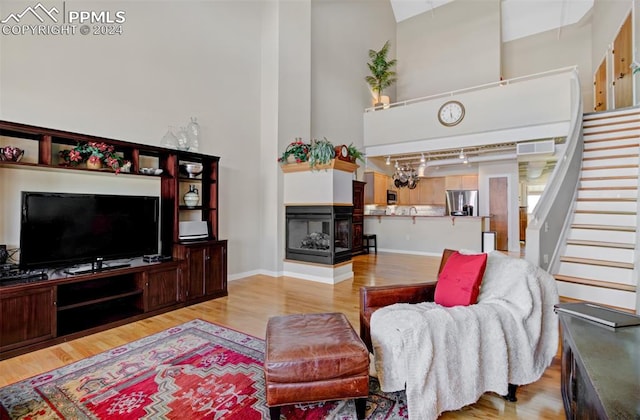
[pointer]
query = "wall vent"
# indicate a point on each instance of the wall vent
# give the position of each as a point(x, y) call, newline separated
point(536, 147)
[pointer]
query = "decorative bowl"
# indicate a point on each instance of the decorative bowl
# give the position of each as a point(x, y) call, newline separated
point(150, 171)
point(192, 170)
point(11, 154)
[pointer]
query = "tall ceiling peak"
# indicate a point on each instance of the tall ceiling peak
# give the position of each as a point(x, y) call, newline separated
point(520, 18)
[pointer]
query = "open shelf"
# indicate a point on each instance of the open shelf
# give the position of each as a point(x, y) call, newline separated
point(85, 317)
point(99, 300)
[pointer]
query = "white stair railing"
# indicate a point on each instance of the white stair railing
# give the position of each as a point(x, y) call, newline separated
point(553, 211)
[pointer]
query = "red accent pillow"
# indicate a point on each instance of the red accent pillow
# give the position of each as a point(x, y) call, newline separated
point(459, 281)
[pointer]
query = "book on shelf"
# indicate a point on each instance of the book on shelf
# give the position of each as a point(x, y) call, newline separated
point(603, 315)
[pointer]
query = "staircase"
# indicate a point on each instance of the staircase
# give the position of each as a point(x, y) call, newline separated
point(597, 261)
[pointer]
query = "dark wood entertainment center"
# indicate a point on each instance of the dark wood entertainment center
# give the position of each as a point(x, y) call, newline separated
point(600, 374)
point(36, 313)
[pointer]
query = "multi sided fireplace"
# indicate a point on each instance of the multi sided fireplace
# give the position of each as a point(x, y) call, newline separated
point(319, 234)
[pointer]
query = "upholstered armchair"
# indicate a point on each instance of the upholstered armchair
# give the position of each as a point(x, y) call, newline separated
point(376, 297)
point(507, 338)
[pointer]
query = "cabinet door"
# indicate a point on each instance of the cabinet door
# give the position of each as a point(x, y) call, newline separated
point(469, 182)
point(356, 247)
point(453, 182)
point(368, 188)
point(438, 193)
point(26, 317)
point(381, 185)
point(161, 288)
point(403, 197)
point(414, 195)
point(215, 279)
point(196, 263)
point(358, 197)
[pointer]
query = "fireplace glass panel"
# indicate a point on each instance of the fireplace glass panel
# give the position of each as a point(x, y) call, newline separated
point(310, 234)
point(343, 240)
point(319, 234)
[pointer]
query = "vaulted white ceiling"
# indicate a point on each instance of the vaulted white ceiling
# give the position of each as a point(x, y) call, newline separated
point(520, 18)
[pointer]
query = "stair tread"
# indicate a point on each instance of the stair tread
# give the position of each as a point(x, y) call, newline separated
point(603, 244)
point(596, 283)
point(616, 130)
point(620, 146)
point(621, 188)
point(612, 212)
point(604, 227)
point(593, 261)
point(603, 178)
point(608, 124)
point(589, 141)
point(604, 167)
point(608, 199)
point(614, 113)
point(603, 157)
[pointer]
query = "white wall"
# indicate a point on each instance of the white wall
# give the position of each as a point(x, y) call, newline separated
point(456, 46)
point(564, 47)
point(175, 60)
point(270, 190)
point(339, 53)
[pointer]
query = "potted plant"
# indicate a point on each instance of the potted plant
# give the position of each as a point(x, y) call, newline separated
point(355, 154)
point(321, 152)
point(381, 74)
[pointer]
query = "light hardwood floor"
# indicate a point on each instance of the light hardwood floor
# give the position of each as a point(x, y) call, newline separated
point(253, 300)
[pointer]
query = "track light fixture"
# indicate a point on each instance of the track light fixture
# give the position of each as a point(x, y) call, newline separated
point(422, 159)
point(388, 160)
point(461, 154)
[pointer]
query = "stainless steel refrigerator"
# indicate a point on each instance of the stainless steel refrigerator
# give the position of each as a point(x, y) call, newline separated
point(462, 202)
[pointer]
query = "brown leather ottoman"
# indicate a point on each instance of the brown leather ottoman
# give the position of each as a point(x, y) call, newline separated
point(312, 358)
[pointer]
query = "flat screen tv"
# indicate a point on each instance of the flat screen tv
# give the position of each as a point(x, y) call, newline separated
point(64, 229)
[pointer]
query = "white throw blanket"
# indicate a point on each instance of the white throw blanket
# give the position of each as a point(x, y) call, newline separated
point(447, 358)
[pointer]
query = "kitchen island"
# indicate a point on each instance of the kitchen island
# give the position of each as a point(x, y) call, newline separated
point(425, 235)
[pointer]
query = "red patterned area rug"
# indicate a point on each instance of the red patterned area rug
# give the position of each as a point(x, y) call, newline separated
point(197, 370)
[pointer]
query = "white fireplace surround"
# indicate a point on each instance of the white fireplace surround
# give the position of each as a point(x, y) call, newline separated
point(329, 185)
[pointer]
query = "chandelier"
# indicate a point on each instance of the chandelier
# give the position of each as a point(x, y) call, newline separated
point(405, 176)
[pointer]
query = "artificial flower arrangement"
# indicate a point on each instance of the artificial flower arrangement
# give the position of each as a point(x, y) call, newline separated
point(93, 153)
point(297, 151)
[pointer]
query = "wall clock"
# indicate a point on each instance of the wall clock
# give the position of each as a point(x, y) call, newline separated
point(451, 113)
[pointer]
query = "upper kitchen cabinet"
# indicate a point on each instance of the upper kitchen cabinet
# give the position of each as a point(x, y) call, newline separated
point(375, 190)
point(432, 191)
point(461, 182)
point(429, 191)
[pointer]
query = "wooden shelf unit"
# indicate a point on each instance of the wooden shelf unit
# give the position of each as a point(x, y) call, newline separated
point(40, 313)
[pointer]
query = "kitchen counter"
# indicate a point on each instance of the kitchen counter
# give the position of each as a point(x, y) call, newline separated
point(424, 234)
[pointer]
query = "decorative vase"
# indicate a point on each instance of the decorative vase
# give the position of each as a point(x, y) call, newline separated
point(169, 140)
point(191, 197)
point(193, 133)
point(94, 164)
point(183, 139)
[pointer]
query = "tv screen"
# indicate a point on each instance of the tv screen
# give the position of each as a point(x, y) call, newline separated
point(63, 229)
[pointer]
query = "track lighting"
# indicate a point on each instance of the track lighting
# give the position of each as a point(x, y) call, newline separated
point(397, 165)
point(461, 154)
point(422, 159)
point(388, 160)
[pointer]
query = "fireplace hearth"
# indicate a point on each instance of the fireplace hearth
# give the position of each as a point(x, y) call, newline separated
point(319, 234)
